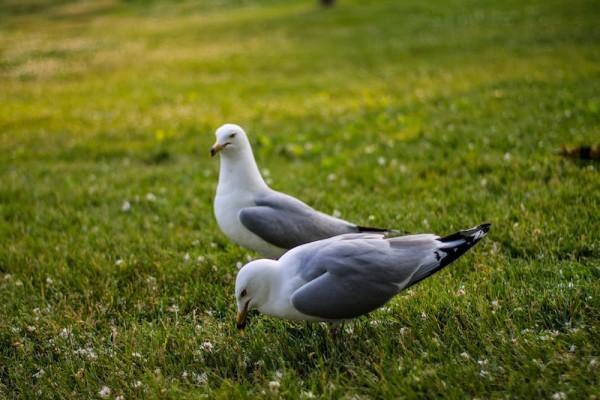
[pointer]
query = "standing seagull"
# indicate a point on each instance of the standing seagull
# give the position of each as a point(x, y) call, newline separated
point(345, 276)
point(257, 217)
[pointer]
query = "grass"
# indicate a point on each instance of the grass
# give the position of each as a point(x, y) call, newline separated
point(423, 117)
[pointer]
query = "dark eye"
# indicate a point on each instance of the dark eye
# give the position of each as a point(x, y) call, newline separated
point(232, 135)
point(244, 293)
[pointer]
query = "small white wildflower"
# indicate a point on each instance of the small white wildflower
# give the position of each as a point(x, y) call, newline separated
point(65, 333)
point(186, 257)
point(31, 328)
point(483, 373)
point(423, 315)
point(331, 177)
point(483, 362)
point(19, 283)
point(136, 355)
point(120, 397)
point(559, 396)
point(104, 392)
point(207, 346)
point(593, 363)
point(126, 206)
point(460, 292)
point(506, 157)
point(137, 384)
point(495, 304)
point(274, 386)
point(375, 322)
point(483, 182)
point(119, 262)
point(404, 330)
point(381, 161)
point(465, 355)
point(7, 277)
point(570, 285)
point(572, 348)
point(49, 281)
point(371, 217)
point(173, 308)
point(184, 374)
point(200, 379)
point(200, 259)
point(336, 213)
point(307, 395)
point(239, 264)
point(87, 352)
point(39, 374)
point(150, 197)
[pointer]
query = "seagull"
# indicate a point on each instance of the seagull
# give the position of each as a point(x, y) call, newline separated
point(257, 217)
point(346, 276)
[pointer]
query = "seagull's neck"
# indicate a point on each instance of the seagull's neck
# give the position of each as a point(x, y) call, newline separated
point(239, 172)
point(273, 300)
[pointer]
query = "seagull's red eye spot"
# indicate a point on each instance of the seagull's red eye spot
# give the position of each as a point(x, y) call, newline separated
point(244, 293)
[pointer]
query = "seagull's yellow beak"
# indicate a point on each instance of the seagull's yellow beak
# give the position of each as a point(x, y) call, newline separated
point(241, 316)
point(217, 147)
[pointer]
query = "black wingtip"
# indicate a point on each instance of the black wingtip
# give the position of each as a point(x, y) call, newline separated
point(472, 235)
point(367, 229)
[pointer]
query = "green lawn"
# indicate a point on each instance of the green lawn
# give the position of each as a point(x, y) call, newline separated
point(422, 116)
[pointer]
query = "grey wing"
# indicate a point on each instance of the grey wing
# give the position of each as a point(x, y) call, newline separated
point(350, 277)
point(287, 222)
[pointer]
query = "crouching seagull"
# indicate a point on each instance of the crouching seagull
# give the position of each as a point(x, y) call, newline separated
point(259, 218)
point(343, 277)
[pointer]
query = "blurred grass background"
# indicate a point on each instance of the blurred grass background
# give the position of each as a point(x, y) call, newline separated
point(422, 117)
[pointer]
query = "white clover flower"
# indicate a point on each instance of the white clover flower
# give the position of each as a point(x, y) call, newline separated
point(375, 322)
point(137, 384)
point(423, 315)
point(200, 379)
point(173, 308)
point(404, 330)
point(119, 262)
point(65, 333)
point(207, 346)
point(186, 257)
point(150, 197)
point(506, 157)
point(307, 394)
point(126, 206)
point(559, 396)
point(87, 352)
point(49, 280)
point(39, 374)
point(381, 161)
point(274, 386)
point(200, 259)
point(465, 355)
point(120, 397)
point(460, 292)
point(104, 392)
point(331, 177)
point(239, 264)
point(184, 374)
point(136, 355)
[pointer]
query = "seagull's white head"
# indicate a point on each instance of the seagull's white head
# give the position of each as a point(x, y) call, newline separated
point(252, 287)
point(231, 139)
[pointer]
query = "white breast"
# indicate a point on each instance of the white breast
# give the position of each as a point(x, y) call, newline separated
point(227, 210)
